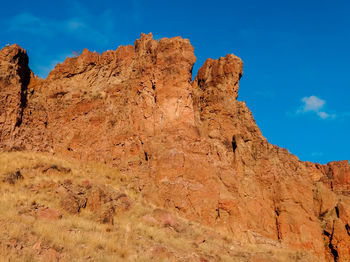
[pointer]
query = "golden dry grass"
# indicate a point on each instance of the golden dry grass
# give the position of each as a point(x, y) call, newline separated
point(79, 237)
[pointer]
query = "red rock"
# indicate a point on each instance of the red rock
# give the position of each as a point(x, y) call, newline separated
point(14, 79)
point(106, 214)
point(61, 190)
point(70, 204)
point(166, 218)
point(149, 219)
point(49, 214)
point(51, 255)
point(124, 202)
point(186, 145)
point(95, 199)
point(86, 184)
point(37, 246)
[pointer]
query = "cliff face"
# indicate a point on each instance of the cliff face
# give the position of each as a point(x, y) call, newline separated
point(14, 80)
point(188, 146)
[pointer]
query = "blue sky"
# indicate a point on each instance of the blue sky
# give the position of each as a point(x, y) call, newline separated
point(296, 54)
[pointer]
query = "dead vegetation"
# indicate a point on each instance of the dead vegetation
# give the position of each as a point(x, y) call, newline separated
point(57, 210)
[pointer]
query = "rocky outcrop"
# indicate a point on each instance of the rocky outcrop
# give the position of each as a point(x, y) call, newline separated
point(14, 80)
point(187, 146)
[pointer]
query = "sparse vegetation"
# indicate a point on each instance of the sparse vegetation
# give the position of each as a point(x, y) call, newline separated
point(138, 233)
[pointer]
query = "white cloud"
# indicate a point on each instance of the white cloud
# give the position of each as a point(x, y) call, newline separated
point(314, 104)
point(323, 115)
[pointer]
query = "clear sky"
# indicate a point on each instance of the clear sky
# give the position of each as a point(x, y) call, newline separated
point(296, 54)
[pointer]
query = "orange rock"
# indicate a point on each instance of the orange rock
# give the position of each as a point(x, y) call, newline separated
point(86, 184)
point(95, 199)
point(165, 218)
point(186, 145)
point(70, 203)
point(49, 214)
point(51, 255)
point(106, 214)
point(149, 219)
point(37, 246)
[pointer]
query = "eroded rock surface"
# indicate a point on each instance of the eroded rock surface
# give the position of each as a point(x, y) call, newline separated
point(189, 146)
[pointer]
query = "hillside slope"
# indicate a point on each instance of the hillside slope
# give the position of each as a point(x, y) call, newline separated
point(58, 210)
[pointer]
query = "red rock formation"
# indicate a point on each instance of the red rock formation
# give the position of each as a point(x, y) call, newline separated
point(49, 214)
point(14, 79)
point(187, 146)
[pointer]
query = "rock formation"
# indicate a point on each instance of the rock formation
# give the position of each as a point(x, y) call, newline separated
point(188, 146)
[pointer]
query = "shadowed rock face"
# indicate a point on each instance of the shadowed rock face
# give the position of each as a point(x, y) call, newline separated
point(189, 146)
point(14, 79)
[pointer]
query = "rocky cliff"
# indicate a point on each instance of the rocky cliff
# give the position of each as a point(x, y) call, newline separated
point(188, 146)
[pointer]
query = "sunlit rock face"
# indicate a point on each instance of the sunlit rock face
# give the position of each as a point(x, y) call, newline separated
point(188, 146)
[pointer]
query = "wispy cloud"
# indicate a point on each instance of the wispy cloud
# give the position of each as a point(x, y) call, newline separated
point(84, 27)
point(26, 22)
point(315, 105)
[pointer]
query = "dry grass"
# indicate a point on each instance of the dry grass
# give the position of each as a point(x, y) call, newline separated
point(79, 237)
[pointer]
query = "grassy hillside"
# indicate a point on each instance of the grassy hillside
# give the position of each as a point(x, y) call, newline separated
point(52, 209)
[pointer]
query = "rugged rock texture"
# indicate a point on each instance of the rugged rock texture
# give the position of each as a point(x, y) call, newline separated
point(188, 146)
point(14, 80)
